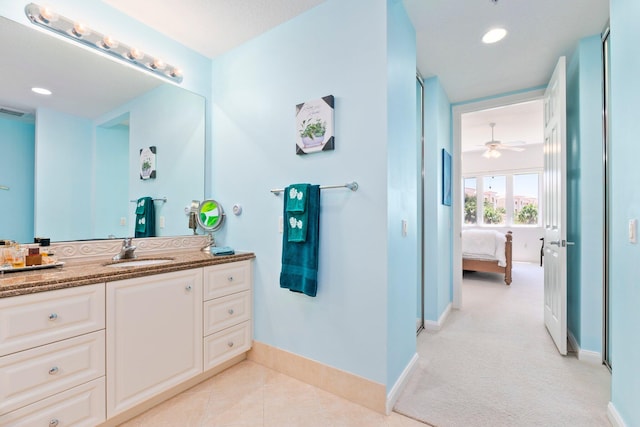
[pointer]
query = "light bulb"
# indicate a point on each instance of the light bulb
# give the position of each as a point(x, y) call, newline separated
point(176, 72)
point(41, 91)
point(46, 15)
point(135, 54)
point(157, 64)
point(108, 42)
point(79, 29)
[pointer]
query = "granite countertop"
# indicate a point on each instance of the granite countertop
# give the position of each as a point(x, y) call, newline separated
point(89, 272)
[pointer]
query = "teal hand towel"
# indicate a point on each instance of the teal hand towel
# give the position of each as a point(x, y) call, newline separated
point(300, 259)
point(296, 197)
point(297, 224)
point(145, 218)
point(222, 250)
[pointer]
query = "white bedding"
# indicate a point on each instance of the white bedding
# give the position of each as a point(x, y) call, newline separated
point(484, 245)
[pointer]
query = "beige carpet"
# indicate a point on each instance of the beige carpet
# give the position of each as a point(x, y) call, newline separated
point(494, 364)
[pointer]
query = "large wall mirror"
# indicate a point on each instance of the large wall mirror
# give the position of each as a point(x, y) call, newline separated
point(71, 163)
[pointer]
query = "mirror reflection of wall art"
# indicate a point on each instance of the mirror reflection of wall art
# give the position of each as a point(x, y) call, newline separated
point(148, 163)
point(314, 120)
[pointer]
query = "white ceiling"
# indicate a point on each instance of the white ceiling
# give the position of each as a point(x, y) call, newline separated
point(539, 32)
point(212, 27)
point(518, 124)
point(448, 34)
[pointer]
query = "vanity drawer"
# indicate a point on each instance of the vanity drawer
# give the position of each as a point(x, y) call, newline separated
point(30, 320)
point(223, 312)
point(225, 279)
point(81, 406)
point(31, 375)
point(226, 344)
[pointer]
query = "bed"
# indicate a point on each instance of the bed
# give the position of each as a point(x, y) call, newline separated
point(487, 251)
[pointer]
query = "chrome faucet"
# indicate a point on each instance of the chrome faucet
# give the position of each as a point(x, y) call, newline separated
point(126, 251)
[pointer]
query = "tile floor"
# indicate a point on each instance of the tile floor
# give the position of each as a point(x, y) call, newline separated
point(251, 395)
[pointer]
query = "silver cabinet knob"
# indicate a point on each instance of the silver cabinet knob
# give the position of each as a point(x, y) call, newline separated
point(230, 278)
point(230, 344)
point(188, 288)
point(53, 370)
point(53, 316)
point(54, 422)
point(230, 311)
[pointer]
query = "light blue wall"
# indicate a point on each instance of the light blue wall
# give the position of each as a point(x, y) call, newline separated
point(111, 181)
point(178, 139)
point(17, 145)
point(585, 193)
point(625, 205)
point(402, 185)
point(338, 48)
point(438, 217)
point(64, 177)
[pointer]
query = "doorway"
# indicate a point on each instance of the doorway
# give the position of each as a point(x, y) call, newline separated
point(458, 200)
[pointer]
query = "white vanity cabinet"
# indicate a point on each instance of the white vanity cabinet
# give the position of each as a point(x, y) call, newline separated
point(154, 336)
point(52, 345)
point(227, 312)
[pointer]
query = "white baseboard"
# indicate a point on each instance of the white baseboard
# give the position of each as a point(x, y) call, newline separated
point(397, 388)
point(614, 416)
point(588, 356)
point(430, 325)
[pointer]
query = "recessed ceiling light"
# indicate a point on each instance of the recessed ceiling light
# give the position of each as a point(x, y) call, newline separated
point(494, 35)
point(41, 90)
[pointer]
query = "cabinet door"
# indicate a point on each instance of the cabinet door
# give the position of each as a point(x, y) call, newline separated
point(154, 336)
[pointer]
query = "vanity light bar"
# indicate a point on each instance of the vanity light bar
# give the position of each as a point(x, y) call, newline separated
point(78, 31)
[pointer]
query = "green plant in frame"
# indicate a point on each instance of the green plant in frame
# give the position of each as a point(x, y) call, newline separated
point(146, 165)
point(309, 129)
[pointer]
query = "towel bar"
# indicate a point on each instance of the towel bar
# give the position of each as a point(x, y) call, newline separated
point(162, 199)
point(353, 186)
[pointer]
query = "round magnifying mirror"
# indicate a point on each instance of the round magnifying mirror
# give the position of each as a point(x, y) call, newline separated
point(210, 217)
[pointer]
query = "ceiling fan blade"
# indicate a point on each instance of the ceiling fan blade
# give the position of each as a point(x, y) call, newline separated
point(506, 147)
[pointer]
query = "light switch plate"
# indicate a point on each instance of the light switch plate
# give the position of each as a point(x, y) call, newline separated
point(281, 225)
point(633, 227)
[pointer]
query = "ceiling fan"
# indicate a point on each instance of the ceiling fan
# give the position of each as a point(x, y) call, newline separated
point(493, 146)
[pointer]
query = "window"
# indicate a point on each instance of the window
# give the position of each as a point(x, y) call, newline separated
point(470, 201)
point(525, 198)
point(507, 199)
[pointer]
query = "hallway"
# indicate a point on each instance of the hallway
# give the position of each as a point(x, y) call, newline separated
point(494, 364)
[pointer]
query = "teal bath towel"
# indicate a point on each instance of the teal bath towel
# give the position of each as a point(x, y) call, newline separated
point(145, 218)
point(300, 259)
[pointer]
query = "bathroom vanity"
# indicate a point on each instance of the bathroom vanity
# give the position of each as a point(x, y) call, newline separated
point(90, 344)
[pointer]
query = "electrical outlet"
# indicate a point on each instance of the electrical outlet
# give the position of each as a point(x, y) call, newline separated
point(281, 225)
point(633, 231)
point(161, 222)
point(123, 221)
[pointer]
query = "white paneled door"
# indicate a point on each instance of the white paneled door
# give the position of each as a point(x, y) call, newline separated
point(555, 218)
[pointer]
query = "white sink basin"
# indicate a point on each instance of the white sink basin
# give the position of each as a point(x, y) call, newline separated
point(138, 263)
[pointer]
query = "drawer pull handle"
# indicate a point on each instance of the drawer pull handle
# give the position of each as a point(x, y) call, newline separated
point(230, 278)
point(54, 422)
point(53, 316)
point(188, 288)
point(53, 370)
point(230, 311)
point(230, 344)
